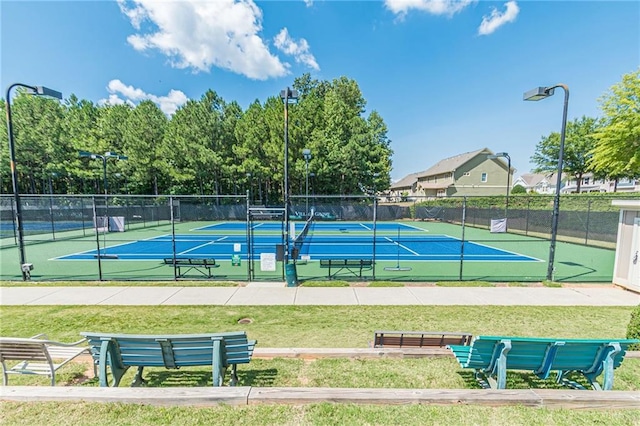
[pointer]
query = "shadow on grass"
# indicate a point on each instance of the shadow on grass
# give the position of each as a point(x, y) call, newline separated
point(524, 380)
point(194, 378)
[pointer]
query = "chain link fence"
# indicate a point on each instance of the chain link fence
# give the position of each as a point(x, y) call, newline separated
point(135, 237)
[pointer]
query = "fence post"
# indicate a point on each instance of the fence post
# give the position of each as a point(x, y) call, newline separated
point(375, 220)
point(249, 248)
point(464, 213)
point(526, 221)
point(586, 234)
point(13, 222)
point(95, 228)
point(173, 239)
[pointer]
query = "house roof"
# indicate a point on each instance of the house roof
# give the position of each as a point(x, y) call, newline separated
point(405, 182)
point(452, 163)
point(533, 179)
point(447, 165)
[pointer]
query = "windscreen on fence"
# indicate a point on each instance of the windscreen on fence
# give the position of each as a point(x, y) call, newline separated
point(363, 238)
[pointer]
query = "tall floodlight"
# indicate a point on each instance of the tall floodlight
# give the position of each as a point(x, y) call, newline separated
point(104, 157)
point(249, 184)
point(505, 155)
point(535, 95)
point(287, 95)
point(306, 153)
point(38, 91)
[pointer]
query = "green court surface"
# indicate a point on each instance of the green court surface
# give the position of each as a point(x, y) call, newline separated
point(573, 262)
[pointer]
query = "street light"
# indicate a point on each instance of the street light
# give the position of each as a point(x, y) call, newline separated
point(249, 182)
point(535, 95)
point(306, 153)
point(505, 155)
point(104, 158)
point(38, 91)
point(286, 95)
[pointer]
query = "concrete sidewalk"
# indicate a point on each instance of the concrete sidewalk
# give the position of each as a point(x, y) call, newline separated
point(277, 294)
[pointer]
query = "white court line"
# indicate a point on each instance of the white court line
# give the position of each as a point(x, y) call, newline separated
point(404, 247)
point(365, 226)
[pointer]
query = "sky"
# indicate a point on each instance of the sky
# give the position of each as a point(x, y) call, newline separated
point(447, 76)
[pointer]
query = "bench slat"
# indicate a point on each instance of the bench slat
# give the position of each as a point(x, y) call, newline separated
point(218, 350)
point(492, 356)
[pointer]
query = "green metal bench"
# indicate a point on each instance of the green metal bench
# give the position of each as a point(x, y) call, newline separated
point(492, 356)
point(121, 351)
point(189, 264)
point(354, 266)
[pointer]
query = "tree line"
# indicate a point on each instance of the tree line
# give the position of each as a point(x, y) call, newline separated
point(208, 147)
point(608, 147)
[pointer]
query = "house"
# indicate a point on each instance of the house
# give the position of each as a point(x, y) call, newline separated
point(591, 184)
point(471, 173)
point(541, 183)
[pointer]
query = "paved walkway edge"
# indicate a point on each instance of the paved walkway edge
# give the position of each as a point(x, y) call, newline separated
point(210, 396)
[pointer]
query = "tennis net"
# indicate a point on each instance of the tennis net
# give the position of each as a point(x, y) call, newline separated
point(300, 239)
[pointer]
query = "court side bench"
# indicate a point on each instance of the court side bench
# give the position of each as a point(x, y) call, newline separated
point(419, 339)
point(187, 264)
point(491, 356)
point(354, 266)
point(119, 352)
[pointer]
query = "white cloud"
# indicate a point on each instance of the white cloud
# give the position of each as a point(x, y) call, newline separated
point(299, 50)
point(200, 34)
point(309, 3)
point(168, 104)
point(434, 7)
point(496, 19)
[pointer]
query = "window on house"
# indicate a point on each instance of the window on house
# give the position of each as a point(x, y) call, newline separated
point(585, 181)
point(483, 178)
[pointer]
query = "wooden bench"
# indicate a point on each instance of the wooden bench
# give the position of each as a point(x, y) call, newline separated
point(354, 266)
point(37, 355)
point(491, 356)
point(192, 263)
point(121, 351)
point(419, 339)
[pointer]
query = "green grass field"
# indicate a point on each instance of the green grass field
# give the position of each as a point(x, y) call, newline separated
point(574, 262)
point(317, 326)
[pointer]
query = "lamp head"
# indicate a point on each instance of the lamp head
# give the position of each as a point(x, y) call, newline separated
point(538, 93)
point(45, 91)
point(289, 94)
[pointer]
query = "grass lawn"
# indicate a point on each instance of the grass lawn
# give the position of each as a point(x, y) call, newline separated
point(316, 326)
point(72, 414)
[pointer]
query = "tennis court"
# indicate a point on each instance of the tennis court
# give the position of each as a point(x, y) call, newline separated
point(324, 240)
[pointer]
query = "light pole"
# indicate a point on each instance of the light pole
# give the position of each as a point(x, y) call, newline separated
point(535, 95)
point(249, 181)
point(104, 158)
point(39, 91)
point(505, 155)
point(307, 156)
point(286, 95)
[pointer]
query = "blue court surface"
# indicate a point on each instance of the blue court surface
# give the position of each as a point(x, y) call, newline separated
point(409, 244)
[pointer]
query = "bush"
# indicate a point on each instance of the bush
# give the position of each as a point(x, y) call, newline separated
point(633, 330)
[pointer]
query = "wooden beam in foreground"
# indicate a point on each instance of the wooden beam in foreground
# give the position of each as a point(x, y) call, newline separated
point(244, 395)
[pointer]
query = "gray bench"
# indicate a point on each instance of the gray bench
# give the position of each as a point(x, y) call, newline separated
point(353, 266)
point(419, 339)
point(37, 355)
point(188, 264)
point(119, 352)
